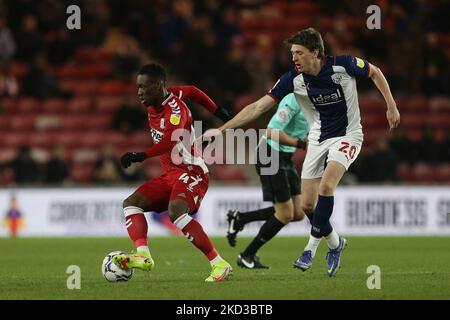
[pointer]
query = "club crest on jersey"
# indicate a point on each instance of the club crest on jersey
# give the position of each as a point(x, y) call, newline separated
point(337, 78)
point(175, 119)
point(161, 124)
point(360, 63)
point(156, 135)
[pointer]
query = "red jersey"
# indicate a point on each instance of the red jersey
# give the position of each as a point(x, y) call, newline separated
point(173, 114)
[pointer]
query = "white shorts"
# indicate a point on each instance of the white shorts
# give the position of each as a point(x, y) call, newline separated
point(344, 150)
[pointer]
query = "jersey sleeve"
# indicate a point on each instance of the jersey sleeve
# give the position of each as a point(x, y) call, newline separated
point(194, 94)
point(353, 65)
point(283, 86)
point(286, 111)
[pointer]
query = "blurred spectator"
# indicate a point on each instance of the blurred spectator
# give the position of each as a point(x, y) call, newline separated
point(176, 24)
point(24, 167)
point(60, 47)
point(107, 168)
point(234, 77)
point(134, 174)
point(403, 147)
point(56, 169)
point(380, 165)
point(29, 39)
point(444, 154)
point(227, 27)
point(14, 218)
point(434, 82)
point(40, 83)
point(8, 82)
point(7, 43)
point(435, 79)
point(126, 61)
point(428, 147)
point(130, 117)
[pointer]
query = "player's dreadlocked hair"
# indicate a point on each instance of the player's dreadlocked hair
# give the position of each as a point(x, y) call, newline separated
point(154, 70)
point(309, 38)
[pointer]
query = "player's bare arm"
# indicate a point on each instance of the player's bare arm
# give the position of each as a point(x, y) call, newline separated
point(283, 138)
point(392, 114)
point(250, 112)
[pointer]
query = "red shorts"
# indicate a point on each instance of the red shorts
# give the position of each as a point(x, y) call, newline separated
point(182, 185)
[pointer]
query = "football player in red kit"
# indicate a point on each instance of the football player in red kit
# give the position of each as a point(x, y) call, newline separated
point(182, 185)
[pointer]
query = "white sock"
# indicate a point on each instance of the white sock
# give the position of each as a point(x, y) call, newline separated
point(143, 249)
point(312, 245)
point(216, 260)
point(333, 240)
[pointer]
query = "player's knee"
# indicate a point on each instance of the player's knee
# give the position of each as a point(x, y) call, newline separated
point(299, 214)
point(308, 207)
point(177, 208)
point(136, 200)
point(327, 188)
point(284, 213)
point(128, 202)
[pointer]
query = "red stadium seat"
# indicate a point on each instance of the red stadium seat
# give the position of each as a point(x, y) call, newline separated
point(8, 105)
point(80, 105)
point(440, 104)
point(68, 72)
point(142, 138)
point(7, 154)
point(84, 155)
point(112, 87)
point(98, 121)
point(72, 122)
point(404, 172)
point(91, 139)
point(415, 103)
point(18, 69)
point(92, 55)
point(43, 139)
point(373, 104)
point(424, 173)
point(439, 121)
point(84, 87)
point(28, 105)
point(54, 105)
point(412, 120)
point(108, 103)
point(82, 173)
point(22, 122)
point(4, 123)
point(443, 173)
point(67, 139)
point(15, 139)
point(96, 70)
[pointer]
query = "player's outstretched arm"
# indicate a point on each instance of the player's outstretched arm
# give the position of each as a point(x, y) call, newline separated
point(250, 112)
point(198, 96)
point(283, 138)
point(392, 114)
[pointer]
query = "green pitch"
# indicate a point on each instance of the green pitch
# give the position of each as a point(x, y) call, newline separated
point(411, 268)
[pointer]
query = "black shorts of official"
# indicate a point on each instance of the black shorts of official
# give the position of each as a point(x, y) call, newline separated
point(284, 184)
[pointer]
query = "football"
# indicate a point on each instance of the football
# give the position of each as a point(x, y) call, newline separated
point(113, 273)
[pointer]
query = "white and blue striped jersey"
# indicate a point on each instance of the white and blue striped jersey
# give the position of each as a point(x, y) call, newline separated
point(328, 100)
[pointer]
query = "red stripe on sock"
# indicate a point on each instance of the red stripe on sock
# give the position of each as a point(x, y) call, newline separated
point(195, 233)
point(138, 229)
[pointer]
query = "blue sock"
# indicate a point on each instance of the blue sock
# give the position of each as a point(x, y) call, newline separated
point(321, 221)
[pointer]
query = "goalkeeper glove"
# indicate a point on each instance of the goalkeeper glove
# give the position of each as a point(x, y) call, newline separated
point(131, 157)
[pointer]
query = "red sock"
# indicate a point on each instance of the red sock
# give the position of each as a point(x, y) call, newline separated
point(195, 233)
point(136, 225)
